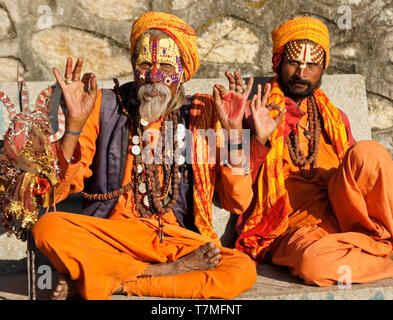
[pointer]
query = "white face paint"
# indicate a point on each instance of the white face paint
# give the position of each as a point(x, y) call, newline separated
point(304, 52)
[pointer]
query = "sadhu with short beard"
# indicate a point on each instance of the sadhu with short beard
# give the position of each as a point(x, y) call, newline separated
point(324, 205)
point(157, 238)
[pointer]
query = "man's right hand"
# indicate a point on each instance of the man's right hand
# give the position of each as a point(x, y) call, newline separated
point(264, 123)
point(79, 95)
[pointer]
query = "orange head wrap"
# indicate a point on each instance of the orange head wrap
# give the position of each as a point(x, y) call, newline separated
point(298, 29)
point(178, 30)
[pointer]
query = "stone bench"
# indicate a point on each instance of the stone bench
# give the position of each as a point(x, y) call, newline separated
point(349, 94)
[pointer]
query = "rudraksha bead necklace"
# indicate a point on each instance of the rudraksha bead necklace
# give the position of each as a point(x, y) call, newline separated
point(313, 136)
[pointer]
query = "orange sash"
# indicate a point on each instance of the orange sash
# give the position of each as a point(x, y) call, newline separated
point(269, 218)
point(203, 117)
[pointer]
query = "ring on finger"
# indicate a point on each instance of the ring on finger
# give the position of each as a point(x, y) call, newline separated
point(68, 81)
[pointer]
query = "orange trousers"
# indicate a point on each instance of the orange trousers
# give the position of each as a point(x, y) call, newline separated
point(353, 244)
point(100, 254)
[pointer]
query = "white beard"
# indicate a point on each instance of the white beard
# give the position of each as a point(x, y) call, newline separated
point(152, 108)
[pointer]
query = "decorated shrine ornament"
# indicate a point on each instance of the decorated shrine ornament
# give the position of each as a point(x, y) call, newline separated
point(304, 51)
point(28, 162)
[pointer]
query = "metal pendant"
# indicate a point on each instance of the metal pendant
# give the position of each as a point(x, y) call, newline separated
point(142, 188)
point(136, 150)
point(181, 160)
point(136, 140)
point(144, 122)
point(180, 144)
point(181, 132)
point(146, 201)
point(181, 127)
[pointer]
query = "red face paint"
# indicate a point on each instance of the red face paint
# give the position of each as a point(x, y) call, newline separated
point(154, 47)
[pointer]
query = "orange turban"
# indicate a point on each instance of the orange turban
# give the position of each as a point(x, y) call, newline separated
point(178, 30)
point(298, 29)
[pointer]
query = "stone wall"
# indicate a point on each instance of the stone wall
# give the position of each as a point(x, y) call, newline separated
point(233, 35)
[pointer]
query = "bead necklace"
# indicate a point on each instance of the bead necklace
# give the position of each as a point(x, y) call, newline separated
point(313, 133)
point(151, 196)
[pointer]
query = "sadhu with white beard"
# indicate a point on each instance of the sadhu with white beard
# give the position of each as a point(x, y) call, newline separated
point(157, 238)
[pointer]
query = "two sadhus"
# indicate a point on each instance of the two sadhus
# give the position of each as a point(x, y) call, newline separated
point(314, 199)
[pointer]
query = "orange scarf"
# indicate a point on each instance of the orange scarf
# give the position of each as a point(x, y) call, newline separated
point(203, 117)
point(270, 218)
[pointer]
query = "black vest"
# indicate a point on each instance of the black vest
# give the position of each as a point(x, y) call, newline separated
point(111, 153)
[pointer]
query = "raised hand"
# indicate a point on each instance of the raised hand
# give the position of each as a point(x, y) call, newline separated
point(230, 105)
point(264, 123)
point(79, 95)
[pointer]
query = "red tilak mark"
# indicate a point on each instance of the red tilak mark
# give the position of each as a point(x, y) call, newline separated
point(305, 51)
point(154, 57)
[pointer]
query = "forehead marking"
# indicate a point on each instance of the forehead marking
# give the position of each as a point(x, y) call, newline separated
point(154, 56)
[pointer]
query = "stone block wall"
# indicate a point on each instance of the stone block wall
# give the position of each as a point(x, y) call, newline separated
point(233, 35)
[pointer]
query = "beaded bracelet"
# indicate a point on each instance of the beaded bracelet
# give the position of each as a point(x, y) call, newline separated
point(233, 146)
point(73, 133)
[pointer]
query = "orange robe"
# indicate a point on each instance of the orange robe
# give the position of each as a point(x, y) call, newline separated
point(340, 221)
point(101, 254)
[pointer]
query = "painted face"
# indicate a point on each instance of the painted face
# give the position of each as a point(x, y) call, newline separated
point(159, 60)
point(304, 52)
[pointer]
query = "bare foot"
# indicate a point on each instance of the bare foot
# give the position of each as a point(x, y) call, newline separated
point(65, 289)
point(206, 257)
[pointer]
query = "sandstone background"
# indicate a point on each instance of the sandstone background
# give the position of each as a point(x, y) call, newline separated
point(233, 35)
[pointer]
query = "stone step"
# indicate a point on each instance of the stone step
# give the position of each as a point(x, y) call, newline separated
point(273, 283)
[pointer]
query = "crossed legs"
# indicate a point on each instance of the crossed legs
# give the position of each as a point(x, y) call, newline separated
point(354, 242)
point(105, 256)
